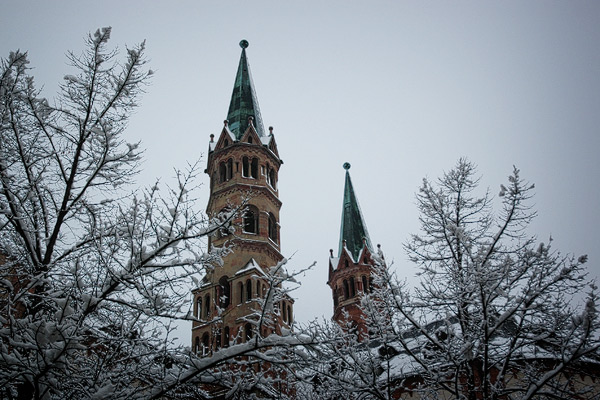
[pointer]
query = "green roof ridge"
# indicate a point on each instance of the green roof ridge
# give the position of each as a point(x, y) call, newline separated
point(244, 102)
point(353, 229)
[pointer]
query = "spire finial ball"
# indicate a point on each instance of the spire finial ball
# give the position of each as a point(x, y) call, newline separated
point(346, 166)
point(244, 44)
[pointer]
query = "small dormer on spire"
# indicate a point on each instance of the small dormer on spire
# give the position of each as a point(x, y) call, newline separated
point(353, 232)
point(244, 102)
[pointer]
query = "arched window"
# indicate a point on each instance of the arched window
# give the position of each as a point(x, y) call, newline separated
point(248, 289)
point(250, 139)
point(251, 220)
point(199, 307)
point(224, 292)
point(258, 289)
point(222, 172)
point(205, 344)
point(365, 284)
point(271, 176)
point(197, 345)
point(254, 168)
point(226, 143)
point(268, 174)
point(226, 337)
point(229, 169)
point(352, 287)
point(207, 306)
point(245, 167)
point(247, 331)
point(346, 293)
point(290, 316)
point(346, 264)
point(241, 292)
point(283, 312)
point(272, 228)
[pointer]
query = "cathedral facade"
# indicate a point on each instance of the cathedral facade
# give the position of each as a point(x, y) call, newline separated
point(229, 304)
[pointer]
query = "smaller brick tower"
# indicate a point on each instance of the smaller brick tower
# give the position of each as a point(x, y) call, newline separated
point(350, 272)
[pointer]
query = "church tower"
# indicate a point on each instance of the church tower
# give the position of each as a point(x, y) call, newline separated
point(350, 272)
point(243, 166)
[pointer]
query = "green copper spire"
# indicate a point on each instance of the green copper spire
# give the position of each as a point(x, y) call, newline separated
point(353, 229)
point(244, 103)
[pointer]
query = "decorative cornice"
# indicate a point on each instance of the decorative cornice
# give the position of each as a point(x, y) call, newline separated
point(242, 188)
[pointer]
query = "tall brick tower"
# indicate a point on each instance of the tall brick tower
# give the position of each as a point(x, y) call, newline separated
point(350, 272)
point(243, 165)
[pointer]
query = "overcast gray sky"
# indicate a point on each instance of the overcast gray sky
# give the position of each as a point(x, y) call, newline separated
point(399, 89)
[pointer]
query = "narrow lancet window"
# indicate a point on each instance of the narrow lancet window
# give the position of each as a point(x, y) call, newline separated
point(251, 220)
point(207, 306)
point(229, 169)
point(272, 228)
point(248, 290)
point(225, 292)
point(254, 168)
point(222, 172)
point(245, 167)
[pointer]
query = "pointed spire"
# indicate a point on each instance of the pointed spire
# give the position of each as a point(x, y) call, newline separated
point(244, 103)
point(353, 232)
